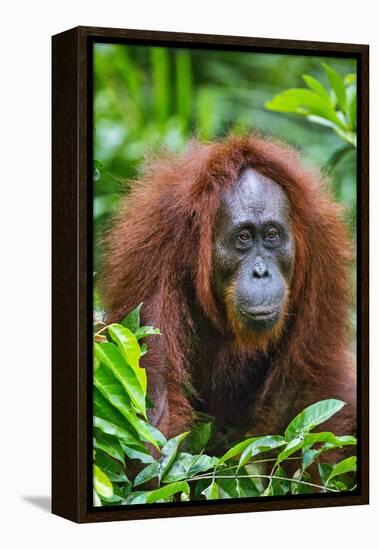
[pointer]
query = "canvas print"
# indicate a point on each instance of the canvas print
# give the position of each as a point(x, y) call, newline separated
point(224, 286)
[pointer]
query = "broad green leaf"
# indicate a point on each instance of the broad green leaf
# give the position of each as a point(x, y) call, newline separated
point(129, 347)
point(293, 446)
point(237, 488)
point(303, 102)
point(308, 457)
point(261, 445)
point(132, 319)
point(337, 84)
point(110, 355)
point(330, 438)
point(112, 429)
point(211, 492)
point(312, 416)
point(162, 494)
point(169, 452)
point(142, 332)
point(102, 484)
point(316, 86)
point(110, 467)
point(109, 445)
point(202, 463)
point(179, 469)
point(138, 452)
point(347, 465)
point(106, 382)
point(96, 499)
point(237, 449)
point(148, 473)
point(131, 351)
point(102, 407)
point(186, 466)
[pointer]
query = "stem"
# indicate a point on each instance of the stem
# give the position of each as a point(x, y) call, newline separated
point(101, 330)
point(264, 477)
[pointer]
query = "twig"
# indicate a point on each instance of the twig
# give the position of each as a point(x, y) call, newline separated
point(262, 476)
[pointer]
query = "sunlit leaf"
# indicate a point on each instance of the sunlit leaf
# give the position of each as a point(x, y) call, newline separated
point(211, 492)
point(337, 84)
point(148, 473)
point(110, 355)
point(347, 465)
point(102, 484)
point(261, 445)
point(162, 494)
point(312, 416)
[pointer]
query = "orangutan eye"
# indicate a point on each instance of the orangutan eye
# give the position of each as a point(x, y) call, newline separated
point(271, 235)
point(244, 236)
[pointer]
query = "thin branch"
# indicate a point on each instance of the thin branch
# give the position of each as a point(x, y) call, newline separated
point(262, 476)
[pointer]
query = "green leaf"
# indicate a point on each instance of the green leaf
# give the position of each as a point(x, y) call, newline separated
point(102, 484)
point(109, 445)
point(162, 494)
point(337, 84)
point(138, 452)
point(130, 349)
point(312, 416)
point(211, 492)
point(179, 469)
point(112, 429)
point(142, 332)
point(237, 449)
point(127, 343)
point(169, 452)
point(110, 467)
point(148, 473)
point(111, 388)
point(109, 355)
point(202, 463)
point(96, 499)
point(132, 319)
point(347, 465)
point(303, 102)
point(102, 408)
point(293, 446)
point(261, 445)
point(330, 438)
point(316, 86)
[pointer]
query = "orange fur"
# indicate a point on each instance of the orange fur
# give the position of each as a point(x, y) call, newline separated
point(246, 339)
point(159, 252)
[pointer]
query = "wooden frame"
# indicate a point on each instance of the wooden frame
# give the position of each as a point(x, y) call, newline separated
point(72, 286)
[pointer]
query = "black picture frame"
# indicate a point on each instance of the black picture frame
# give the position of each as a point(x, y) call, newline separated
point(72, 146)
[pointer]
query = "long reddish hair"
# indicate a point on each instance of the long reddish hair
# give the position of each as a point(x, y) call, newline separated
point(159, 252)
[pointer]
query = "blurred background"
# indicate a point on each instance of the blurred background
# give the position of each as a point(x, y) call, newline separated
point(149, 98)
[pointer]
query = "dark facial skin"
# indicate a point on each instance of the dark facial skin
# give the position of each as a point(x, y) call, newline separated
point(253, 250)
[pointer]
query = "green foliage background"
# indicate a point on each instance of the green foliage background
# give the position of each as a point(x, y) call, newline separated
point(149, 98)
